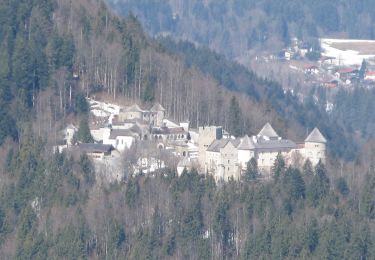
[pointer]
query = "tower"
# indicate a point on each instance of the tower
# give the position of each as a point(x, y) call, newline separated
point(315, 147)
point(207, 134)
point(158, 113)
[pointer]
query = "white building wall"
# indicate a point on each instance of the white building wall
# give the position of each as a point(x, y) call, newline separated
point(315, 152)
point(229, 160)
point(124, 142)
point(244, 157)
point(97, 134)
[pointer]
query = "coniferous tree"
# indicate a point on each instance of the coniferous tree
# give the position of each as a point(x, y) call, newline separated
point(363, 69)
point(83, 134)
point(252, 172)
point(319, 186)
point(235, 118)
point(367, 203)
point(279, 167)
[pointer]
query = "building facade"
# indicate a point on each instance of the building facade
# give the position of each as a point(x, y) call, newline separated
point(227, 158)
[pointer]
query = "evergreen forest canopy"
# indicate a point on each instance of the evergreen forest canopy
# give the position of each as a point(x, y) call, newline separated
point(55, 208)
point(54, 205)
point(233, 27)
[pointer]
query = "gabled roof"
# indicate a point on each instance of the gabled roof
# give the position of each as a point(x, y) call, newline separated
point(216, 145)
point(246, 144)
point(167, 130)
point(347, 70)
point(268, 131)
point(95, 148)
point(120, 132)
point(315, 137)
point(273, 145)
point(219, 144)
point(157, 107)
point(134, 108)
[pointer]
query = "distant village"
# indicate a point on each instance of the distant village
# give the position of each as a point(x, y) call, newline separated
point(120, 132)
point(336, 63)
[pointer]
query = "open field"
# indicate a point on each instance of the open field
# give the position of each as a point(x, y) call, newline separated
point(363, 48)
point(347, 51)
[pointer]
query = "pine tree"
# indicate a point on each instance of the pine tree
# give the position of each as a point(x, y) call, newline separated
point(363, 69)
point(252, 172)
point(83, 134)
point(320, 185)
point(279, 167)
point(235, 118)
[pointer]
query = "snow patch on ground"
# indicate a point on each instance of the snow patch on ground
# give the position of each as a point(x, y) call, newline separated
point(346, 57)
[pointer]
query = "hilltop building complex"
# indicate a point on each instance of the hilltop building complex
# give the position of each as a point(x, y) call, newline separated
point(214, 151)
point(227, 158)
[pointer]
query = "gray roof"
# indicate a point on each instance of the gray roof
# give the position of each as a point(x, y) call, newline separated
point(136, 129)
point(120, 132)
point(272, 145)
point(157, 107)
point(166, 130)
point(246, 144)
point(316, 137)
point(219, 144)
point(134, 108)
point(95, 148)
point(267, 130)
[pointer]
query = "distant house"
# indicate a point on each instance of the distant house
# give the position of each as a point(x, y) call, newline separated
point(120, 139)
point(268, 144)
point(132, 112)
point(304, 48)
point(330, 84)
point(347, 74)
point(286, 54)
point(165, 133)
point(96, 151)
point(154, 116)
point(228, 158)
point(222, 159)
point(327, 60)
point(311, 69)
point(370, 75)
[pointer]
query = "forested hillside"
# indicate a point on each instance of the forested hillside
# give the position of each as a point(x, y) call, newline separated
point(54, 207)
point(58, 49)
point(56, 52)
point(233, 27)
